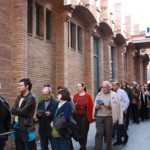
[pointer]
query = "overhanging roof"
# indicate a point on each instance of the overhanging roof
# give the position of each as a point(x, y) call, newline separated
point(142, 44)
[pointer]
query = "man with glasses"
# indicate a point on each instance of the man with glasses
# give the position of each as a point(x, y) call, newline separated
point(45, 113)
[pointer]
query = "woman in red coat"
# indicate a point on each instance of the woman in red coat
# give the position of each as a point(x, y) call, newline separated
point(83, 115)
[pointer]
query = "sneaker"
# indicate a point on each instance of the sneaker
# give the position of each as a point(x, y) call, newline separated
point(117, 143)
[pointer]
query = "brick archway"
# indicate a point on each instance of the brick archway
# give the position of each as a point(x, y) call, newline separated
point(105, 29)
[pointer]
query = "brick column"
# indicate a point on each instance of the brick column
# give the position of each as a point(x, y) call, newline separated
point(141, 71)
point(120, 63)
point(61, 32)
point(19, 43)
point(88, 59)
point(131, 66)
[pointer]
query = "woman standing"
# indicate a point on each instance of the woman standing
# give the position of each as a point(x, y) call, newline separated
point(62, 142)
point(83, 115)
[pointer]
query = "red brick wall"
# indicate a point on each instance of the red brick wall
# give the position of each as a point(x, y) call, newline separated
point(23, 55)
point(5, 49)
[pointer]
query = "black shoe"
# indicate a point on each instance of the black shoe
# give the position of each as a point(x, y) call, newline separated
point(125, 140)
point(117, 143)
point(82, 149)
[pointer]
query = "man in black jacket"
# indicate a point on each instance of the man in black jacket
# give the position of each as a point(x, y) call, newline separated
point(45, 113)
point(5, 121)
point(23, 110)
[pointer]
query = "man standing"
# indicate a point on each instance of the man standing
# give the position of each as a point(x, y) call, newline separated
point(123, 97)
point(5, 121)
point(45, 113)
point(135, 102)
point(124, 86)
point(107, 111)
point(23, 110)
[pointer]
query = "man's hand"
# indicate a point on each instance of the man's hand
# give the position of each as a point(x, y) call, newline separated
point(47, 113)
point(98, 106)
point(39, 114)
point(107, 106)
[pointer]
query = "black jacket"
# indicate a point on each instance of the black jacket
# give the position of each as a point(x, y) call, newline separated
point(25, 112)
point(44, 121)
point(129, 92)
point(5, 117)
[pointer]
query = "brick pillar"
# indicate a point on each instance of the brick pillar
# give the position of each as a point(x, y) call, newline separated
point(128, 26)
point(88, 59)
point(141, 71)
point(19, 43)
point(61, 32)
point(120, 63)
point(117, 16)
point(136, 29)
point(145, 64)
point(5, 49)
point(130, 66)
point(106, 58)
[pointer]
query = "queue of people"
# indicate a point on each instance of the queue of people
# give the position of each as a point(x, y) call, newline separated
point(114, 106)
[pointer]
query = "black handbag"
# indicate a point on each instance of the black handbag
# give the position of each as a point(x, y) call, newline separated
point(73, 130)
point(60, 122)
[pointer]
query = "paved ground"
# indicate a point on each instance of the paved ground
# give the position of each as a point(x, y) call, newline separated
point(139, 138)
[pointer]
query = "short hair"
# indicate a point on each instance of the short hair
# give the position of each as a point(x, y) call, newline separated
point(48, 88)
point(117, 83)
point(26, 82)
point(107, 83)
point(65, 94)
point(47, 85)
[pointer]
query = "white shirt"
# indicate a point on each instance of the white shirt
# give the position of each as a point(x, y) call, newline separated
point(61, 103)
point(124, 99)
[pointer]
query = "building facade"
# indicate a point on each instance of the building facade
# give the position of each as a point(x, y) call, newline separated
point(63, 42)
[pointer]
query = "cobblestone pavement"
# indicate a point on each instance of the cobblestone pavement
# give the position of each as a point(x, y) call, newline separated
point(139, 138)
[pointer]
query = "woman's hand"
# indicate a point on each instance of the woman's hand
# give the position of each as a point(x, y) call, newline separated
point(52, 124)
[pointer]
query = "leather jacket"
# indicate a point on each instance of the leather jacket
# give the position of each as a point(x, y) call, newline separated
point(25, 112)
point(5, 119)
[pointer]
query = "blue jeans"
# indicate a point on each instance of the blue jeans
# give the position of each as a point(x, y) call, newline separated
point(62, 143)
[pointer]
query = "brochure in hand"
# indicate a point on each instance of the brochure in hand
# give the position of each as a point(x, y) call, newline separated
point(100, 102)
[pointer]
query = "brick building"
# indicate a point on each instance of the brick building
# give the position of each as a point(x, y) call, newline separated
point(63, 42)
